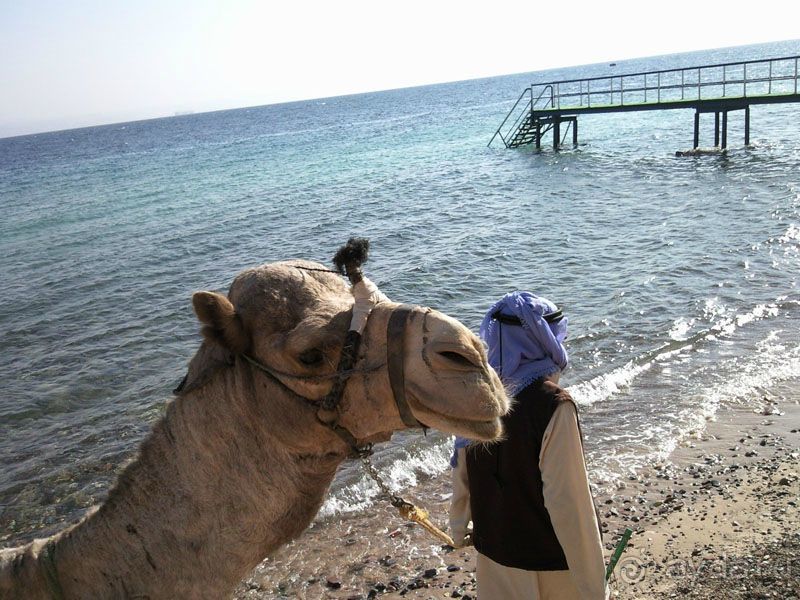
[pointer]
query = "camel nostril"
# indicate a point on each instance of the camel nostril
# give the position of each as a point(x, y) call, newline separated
point(459, 359)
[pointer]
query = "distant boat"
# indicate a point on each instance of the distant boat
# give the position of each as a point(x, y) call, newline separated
point(612, 64)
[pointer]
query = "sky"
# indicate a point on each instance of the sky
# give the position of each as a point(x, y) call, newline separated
point(73, 63)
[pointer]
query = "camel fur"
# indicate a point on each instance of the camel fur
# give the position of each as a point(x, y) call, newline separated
point(239, 464)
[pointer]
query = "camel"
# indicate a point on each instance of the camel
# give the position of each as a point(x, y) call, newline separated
point(240, 463)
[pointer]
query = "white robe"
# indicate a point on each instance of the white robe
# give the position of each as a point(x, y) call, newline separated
point(568, 501)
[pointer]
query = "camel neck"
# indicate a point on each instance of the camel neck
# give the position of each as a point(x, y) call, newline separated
point(211, 494)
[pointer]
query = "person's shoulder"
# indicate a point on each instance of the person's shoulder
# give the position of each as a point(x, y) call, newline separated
point(541, 399)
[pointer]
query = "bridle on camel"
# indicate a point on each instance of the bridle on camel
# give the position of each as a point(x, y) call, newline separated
point(328, 406)
point(348, 261)
point(328, 414)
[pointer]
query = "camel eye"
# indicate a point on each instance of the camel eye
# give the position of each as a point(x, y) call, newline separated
point(311, 357)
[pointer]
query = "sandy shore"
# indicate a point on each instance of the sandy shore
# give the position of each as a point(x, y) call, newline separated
point(719, 519)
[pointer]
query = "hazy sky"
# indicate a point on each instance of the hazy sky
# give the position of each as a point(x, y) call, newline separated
point(69, 63)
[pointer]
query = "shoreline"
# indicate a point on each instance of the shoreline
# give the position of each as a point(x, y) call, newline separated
point(718, 519)
point(727, 523)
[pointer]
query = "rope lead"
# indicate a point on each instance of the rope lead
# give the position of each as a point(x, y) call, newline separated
point(406, 509)
point(421, 517)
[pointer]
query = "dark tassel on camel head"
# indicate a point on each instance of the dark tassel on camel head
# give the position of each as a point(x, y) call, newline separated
point(350, 257)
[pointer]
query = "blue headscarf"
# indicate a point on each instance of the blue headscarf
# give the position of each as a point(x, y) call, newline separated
point(522, 354)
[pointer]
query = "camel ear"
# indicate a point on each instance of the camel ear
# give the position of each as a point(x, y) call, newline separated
point(221, 324)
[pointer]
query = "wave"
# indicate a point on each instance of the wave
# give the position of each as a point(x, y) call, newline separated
point(606, 385)
point(401, 473)
point(725, 321)
point(712, 382)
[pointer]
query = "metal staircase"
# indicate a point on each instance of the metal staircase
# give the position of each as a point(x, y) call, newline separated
point(522, 125)
point(530, 131)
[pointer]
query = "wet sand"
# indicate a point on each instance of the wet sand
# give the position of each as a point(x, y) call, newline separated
point(719, 519)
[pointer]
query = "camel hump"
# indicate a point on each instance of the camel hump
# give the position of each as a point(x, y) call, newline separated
point(221, 324)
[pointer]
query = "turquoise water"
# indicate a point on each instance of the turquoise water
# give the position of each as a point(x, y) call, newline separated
point(679, 275)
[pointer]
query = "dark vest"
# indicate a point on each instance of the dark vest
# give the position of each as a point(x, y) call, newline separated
point(511, 525)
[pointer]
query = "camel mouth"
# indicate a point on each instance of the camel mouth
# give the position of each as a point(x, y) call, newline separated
point(486, 429)
point(483, 431)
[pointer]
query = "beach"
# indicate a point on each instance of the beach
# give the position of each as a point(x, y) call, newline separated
point(718, 519)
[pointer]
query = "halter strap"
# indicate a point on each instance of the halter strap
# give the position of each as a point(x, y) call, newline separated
point(277, 373)
point(328, 407)
point(395, 361)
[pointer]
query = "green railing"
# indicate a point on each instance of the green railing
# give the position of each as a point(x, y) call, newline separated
point(749, 79)
point(521, 113)
point(775, 76)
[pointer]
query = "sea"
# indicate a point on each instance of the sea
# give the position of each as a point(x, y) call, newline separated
point(679, 275)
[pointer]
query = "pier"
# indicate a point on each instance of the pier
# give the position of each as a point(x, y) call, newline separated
point(554, 107)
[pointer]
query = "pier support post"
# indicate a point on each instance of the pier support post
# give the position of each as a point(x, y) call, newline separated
point(724, 129)
point(747, 125)
point(538, 135)
point(575, 133)
point(556, 132)
point(696, 129)
point(716, 129)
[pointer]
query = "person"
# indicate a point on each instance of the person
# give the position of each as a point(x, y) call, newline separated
point(534, 523)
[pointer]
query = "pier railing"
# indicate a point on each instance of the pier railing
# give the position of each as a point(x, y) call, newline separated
point(670, 88)
point(731, 80)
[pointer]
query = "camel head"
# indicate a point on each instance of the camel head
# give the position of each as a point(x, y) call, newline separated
point(289, 320)
point(240, 463)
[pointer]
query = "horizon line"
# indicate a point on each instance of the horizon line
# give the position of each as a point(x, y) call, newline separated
point(191, 113)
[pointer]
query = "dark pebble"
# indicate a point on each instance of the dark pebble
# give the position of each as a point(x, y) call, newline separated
point(430, 573)
point(334, 584)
